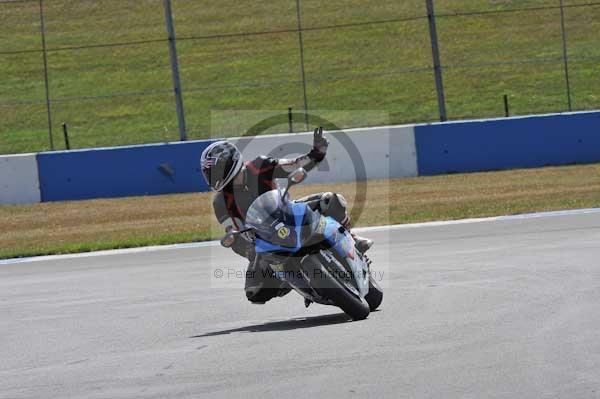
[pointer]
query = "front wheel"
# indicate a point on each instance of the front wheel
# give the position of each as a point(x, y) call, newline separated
point(375, 295)
point(355, 307)
point(329, 287)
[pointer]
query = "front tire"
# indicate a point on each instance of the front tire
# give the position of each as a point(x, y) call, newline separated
point(375, 295)
point(355, 307)
point(329, 287)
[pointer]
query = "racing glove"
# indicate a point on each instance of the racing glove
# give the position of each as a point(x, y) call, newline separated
point(244, 248)
point(320, 144)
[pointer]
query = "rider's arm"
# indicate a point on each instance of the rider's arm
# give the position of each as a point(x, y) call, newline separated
point(221, 212)
point(240, 246)
point(285, 166)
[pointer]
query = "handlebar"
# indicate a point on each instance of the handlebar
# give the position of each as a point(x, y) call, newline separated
point(229, 238)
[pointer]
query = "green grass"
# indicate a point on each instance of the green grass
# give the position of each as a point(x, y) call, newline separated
point(65, 227)
point(92, 246)
point(353, 68)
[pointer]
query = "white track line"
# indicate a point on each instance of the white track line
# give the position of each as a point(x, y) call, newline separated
point(480, 220)
point(360, 230)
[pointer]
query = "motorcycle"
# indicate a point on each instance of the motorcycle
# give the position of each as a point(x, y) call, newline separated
point(314, 254)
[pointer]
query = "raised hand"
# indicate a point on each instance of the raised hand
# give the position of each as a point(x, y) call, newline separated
point(320, 144)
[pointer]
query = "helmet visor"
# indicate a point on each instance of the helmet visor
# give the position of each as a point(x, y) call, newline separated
point(220, 162)
point(219, 173)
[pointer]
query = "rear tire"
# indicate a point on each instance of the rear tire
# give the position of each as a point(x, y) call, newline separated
point(375, 295)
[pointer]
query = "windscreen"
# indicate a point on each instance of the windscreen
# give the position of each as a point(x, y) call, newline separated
point(274, 219)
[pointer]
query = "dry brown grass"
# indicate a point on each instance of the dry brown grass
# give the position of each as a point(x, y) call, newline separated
point(116, 223)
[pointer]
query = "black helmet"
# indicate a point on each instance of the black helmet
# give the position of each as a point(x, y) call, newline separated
point(220, 163)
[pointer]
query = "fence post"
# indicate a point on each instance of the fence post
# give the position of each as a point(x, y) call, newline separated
point(437, 68)
point(45, 55)
point(301, 44)
point(175, 70)
point(565, 54)
point(66, 135)
point(506, 109)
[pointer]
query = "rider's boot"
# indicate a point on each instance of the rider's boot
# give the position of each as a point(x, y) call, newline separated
point(335, 205)
point(259, 295)
point(363, 244)
point(262, 285)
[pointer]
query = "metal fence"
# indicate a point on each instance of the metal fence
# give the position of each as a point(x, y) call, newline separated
point(115, 72)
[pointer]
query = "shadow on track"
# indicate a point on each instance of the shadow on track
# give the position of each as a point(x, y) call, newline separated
point(292, 324)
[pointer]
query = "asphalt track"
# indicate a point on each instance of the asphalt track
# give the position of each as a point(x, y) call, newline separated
point(495, 309)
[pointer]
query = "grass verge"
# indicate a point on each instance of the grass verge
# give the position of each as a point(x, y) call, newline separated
point(80, 226)
point(358, 56)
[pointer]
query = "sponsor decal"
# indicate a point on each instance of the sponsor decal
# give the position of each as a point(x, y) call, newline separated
point(283, 232)
point(322, 225)
point(351, 254)
point(327, 256)
point(348, 248)
point(277, 267)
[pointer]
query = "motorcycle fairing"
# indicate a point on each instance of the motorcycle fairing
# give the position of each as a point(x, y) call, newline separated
point(271, 214)
point(298, 210)
point(342, 242)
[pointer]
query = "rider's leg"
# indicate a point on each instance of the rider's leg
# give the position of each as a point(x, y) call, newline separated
point(335, 205)
point(262, 284)
point(313, 200)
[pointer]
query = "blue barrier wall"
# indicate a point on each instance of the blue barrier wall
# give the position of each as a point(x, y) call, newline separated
point(508, 143)
point(121, 172)
point(440, 148)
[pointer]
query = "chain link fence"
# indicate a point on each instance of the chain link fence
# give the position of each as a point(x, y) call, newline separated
point(102, 70)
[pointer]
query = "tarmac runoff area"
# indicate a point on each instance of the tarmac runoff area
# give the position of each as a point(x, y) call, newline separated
point(486, 308)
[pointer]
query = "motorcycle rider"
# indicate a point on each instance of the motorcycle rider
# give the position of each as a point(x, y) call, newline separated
point(237, 184)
